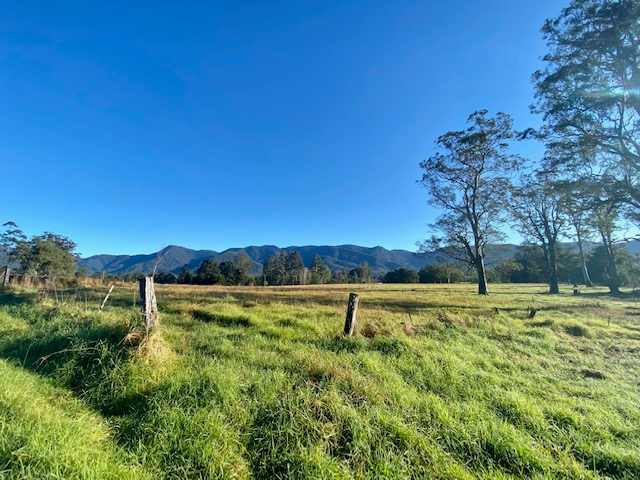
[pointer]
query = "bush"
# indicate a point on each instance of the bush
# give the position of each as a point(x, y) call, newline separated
point(441, 274)
point(401, 275)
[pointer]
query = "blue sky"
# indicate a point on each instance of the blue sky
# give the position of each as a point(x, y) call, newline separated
point(222, 124)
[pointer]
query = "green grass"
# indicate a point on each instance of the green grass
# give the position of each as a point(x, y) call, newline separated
point(258, 383)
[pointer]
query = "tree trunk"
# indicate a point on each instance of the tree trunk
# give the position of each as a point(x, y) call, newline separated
point(6, 276)
point(552, 266)
point(612, 272)
point(482, 275)
point(585, 271)
point(613, 281)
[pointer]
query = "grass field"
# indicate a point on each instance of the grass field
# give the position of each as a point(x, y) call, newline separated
point(258, 383)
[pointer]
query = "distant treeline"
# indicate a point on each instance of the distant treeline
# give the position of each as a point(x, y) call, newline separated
point(50, 257)
point(287, 268)
point(529, 266)
point(283, 268)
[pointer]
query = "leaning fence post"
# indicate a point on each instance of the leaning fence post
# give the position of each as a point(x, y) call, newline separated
point(6, 276)
point(106, 298)
point(352, 314)
point(148, 303)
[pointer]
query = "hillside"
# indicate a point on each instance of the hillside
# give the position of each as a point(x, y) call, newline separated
point(341, 257)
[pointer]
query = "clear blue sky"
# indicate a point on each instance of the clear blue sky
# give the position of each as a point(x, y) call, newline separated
point(220, 124)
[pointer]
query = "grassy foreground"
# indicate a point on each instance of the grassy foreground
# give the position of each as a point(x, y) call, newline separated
point(258, 383)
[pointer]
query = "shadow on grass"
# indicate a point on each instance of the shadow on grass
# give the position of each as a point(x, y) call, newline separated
point(634, 295)
point(8, 297)
point(222, 319)
point(44, 351)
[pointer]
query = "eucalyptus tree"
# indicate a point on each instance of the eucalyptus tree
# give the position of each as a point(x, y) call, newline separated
point(537, 208)
point(589, 92)
point(468, 179)
point(576, 206)
point(605, 218)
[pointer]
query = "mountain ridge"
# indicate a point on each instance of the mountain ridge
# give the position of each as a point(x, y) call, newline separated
point(174, 258)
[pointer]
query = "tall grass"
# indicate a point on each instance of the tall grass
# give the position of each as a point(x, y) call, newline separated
point(258, 383)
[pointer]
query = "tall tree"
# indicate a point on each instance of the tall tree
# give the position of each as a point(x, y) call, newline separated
point(48, 255)
point(468, 179)
point(576, 204)
point(295, 271)
point(605, 219)
point(243, 263)
point(208, 273)
point(536, 206)
point(13, 243)
point(589, 92)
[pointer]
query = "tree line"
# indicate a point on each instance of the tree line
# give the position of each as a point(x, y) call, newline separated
point(282, 268)
point(586, 186)
point(47, 256)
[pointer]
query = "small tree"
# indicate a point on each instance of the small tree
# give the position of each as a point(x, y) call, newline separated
point(467, 178)
point(361, 274)
point(208, 273)
point(52, 256)
point(243, 264)
point(320, 272)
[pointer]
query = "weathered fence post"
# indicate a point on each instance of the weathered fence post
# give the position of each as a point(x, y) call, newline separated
point(148, 303)
point(106, 298)
point(6, 276)
point(352, 314)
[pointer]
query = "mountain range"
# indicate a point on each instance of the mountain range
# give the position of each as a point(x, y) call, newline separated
point(341, 257)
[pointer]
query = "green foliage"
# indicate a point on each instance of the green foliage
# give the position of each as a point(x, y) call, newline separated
point(441, 273)
point(360, 274)
point(588, 94)
point(47, 255)
point(285, 268)
point(209, 273)
point(401, 275)
point(627, 266)
point(320, 273)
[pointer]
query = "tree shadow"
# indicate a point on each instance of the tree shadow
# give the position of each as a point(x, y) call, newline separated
point(45, 351)
point(8, 297)
point(231, 321)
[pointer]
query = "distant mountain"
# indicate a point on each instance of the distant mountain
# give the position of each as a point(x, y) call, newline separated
point(342, 257)
point(169, 259)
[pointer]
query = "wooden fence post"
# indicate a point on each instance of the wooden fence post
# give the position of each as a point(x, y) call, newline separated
point(106, 298)
point(6, 276)
point(148, 303)
point(352, 315)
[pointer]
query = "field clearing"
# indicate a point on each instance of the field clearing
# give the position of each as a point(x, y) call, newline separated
point(244, 382)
